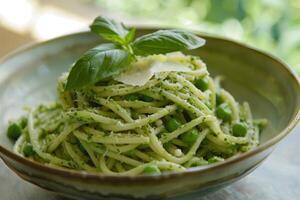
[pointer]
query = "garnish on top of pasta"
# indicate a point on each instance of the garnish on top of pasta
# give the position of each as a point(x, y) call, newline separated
point(159, 112)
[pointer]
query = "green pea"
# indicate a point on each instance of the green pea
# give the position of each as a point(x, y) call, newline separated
point(28, 150)
point(202, 84)
point(146, 98)
point(190, 136)
point(172, 124)
point(132, 97)
point(223, 112)
point(239, 129)
point(219, 99)
point(151, 169)
point(14, 131)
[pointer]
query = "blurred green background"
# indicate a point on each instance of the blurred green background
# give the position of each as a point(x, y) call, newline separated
point(272, 25)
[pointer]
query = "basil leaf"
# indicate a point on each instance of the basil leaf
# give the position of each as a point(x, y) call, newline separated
point(130, 35)
point(110, 30)
point(165, 41)
point(96, 64)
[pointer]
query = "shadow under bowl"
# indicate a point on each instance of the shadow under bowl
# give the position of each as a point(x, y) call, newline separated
point(28, 77)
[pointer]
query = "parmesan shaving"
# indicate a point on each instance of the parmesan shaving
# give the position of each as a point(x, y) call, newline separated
point(143, 70)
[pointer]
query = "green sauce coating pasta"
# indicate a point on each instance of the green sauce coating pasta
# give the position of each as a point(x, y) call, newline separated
point(177, 120)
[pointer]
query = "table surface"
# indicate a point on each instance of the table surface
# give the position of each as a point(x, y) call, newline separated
point(276, 179)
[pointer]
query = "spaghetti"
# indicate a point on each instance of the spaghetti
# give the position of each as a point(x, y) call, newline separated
point(175, 121)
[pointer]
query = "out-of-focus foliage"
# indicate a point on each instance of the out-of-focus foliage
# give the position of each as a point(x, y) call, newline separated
point(272, 25)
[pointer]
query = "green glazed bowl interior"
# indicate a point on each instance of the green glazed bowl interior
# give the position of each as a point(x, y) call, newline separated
point(29, 76)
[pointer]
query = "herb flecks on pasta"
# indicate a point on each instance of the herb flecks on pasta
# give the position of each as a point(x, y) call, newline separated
point(162, 112)
point(114, 128)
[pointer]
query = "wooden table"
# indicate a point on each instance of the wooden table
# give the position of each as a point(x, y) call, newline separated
point(277, 178)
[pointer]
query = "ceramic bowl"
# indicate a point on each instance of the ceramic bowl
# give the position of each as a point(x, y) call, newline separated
point(28, 77)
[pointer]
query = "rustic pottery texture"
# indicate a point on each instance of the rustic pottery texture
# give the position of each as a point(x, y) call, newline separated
point(29, 76)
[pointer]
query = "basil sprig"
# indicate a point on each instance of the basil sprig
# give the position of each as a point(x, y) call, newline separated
point(166, 41)
point(111, 59)
point(111, 30)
